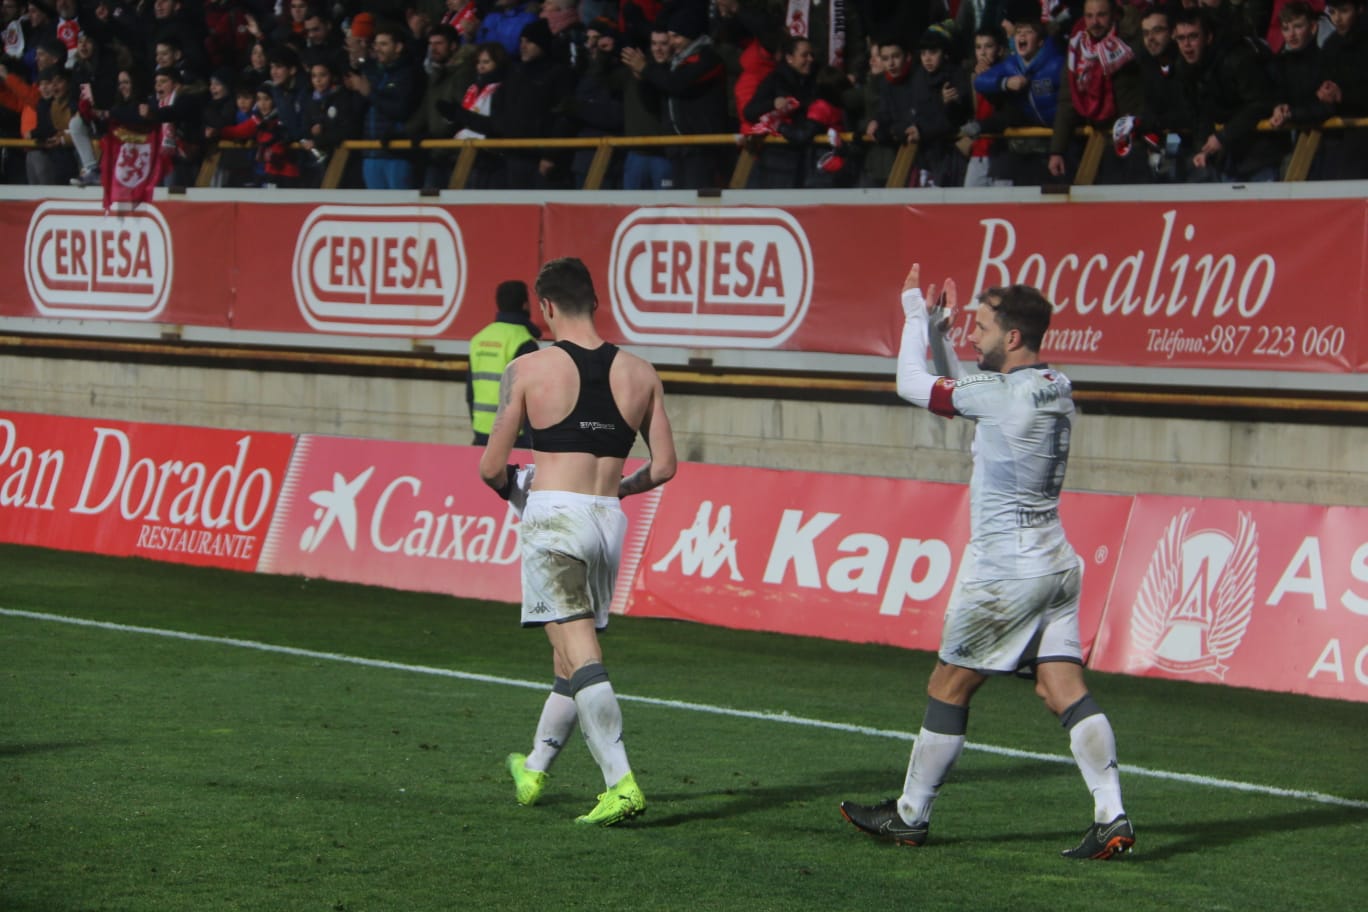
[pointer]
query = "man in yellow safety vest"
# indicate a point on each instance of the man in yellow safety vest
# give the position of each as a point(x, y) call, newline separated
point(511, 334)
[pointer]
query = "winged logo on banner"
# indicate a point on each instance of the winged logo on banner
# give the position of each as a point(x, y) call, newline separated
point(1196, 600)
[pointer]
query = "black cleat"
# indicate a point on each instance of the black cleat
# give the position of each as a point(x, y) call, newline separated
point(884, 822)
point(1104, 840)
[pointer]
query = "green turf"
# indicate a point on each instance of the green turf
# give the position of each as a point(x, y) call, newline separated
point(145, 773)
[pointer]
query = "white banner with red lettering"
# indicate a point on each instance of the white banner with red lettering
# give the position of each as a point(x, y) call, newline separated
point(1217, 285)
point(182, 494)
point(1245, 593)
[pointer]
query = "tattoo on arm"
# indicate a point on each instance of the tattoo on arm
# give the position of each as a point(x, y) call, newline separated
point(637, 483)
point(505, 391)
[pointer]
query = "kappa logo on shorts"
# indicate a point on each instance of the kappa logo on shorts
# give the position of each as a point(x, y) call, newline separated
point(705, 547)
point(1196, 599)
point(335, 507)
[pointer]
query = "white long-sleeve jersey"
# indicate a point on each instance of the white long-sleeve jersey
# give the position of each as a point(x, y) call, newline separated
point(1023, 424)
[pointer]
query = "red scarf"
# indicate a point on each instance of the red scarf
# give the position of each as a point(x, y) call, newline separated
point(1091, 66)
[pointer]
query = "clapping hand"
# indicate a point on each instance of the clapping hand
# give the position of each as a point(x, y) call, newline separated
point(941, 310)
point(940, 307)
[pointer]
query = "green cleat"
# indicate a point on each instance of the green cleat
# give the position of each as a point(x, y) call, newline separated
point(528, 784)
point(620, 802)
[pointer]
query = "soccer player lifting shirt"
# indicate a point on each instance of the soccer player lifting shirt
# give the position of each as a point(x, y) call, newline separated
point(585, 401)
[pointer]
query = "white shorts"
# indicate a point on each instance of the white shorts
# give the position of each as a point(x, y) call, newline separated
point(1004, 626)
point(571, 548)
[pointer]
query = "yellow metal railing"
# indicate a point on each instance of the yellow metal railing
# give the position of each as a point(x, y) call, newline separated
point(604, 148)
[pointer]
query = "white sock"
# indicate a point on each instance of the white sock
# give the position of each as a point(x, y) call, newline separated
point(601, 721)
point(932, 757)
point(554, 728)
point(1094, 749)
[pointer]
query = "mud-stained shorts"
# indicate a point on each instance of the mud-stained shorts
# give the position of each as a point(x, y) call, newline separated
point(1005, 626)
point(571, 548)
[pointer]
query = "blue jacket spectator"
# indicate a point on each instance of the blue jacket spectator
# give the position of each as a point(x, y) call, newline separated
point(505, 25)
point(1043, 72)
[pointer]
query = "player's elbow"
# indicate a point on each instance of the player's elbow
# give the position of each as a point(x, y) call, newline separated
point(911, 391)
point(492, 473)
point(662, 470)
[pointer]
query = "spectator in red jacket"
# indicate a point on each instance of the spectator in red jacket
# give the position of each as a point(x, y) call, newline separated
point(275, 160)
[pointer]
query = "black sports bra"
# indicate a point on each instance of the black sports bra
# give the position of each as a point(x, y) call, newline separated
point(594, 425)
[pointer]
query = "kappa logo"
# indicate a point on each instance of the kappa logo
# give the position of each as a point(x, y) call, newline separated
point(336, 507)
point(1195, 602)
point(704, 547)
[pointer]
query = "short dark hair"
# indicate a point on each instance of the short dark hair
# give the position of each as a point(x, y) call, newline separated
point(511, 296)
point(994, 31)
point(1194, 16)
point(789, 44)
point(566, 282)
point(53, 48)
point(1297, 9)
point(496, 51)
point(1020, 307)
point(282, 55)
point(170, 73)
point(830, 85)
point(1157, 9)
point(447, 32)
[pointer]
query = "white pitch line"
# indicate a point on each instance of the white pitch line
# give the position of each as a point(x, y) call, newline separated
point(782, 718)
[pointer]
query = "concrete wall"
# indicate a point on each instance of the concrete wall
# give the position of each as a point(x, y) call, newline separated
point(1322, 464)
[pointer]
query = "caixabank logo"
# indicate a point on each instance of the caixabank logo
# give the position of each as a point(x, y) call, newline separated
point(739, 278)
point(80, 263)
point(1197, 597)
point(386, 270)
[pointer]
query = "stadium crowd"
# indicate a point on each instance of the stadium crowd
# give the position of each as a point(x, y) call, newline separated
point(1181, 87)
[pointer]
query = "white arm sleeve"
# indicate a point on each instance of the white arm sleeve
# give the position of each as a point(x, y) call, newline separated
point(942, 352)
point(914, 381)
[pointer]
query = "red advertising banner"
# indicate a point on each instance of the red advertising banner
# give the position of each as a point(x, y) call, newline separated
point(835, 556)
point(81, 263)
point(420, 271)
point(1145, 284)
point(407, 516)
point(1250, 594)
point(180, 494)
point(1164, 284)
